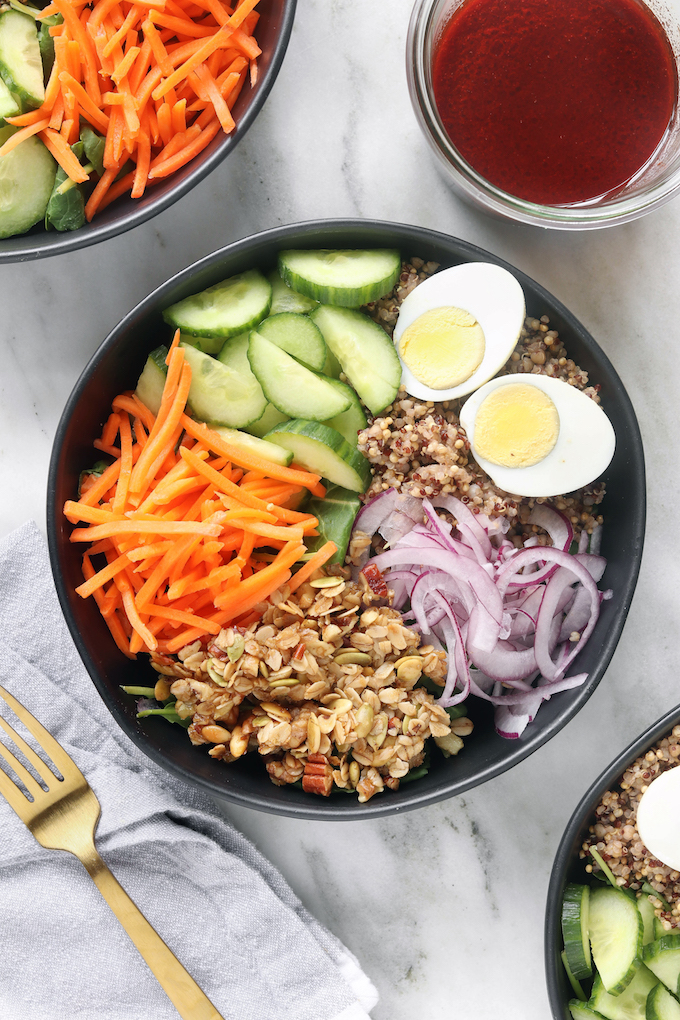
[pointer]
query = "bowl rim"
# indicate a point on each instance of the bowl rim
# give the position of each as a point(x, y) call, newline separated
point(564, 858)
point(493, 199)
point(95, 232)
point(522, 748)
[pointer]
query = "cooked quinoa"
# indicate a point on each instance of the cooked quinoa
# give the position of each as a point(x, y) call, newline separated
point(325, 687)
point(614, 834)
point(420, 447)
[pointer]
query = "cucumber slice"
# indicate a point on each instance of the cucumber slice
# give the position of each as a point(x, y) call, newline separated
point(152, 380)
point(332, 367)
point(21, 66)
point(26, 179)
point(663, 959)
point(324, 451)
point(207, 344)
point(631, 1004)
point(227, 309)
point(271, 417)
point(366, 353)
point(615, 929)
point(298, 336)
point(289, 386)
point(221, 394)
point(335, 513)
point(647, 914)
point(286, 300)
point(351, 421)
point(659, 930)
point(234, 354)
point(661, 1005)
point(263, 448)
point(9, 103)
point(346, 278)
point(575, 929)
point(581, 1011)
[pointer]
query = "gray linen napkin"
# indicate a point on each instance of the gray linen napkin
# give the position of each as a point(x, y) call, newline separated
point(226, 913)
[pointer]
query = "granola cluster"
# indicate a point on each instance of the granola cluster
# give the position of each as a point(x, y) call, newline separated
point(324, 687)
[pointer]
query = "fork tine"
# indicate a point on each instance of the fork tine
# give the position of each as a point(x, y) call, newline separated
point(38, 764)
point(24, 775)
point(50, 746)
point(13, 795)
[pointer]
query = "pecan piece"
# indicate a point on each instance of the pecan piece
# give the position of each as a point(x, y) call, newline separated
point(318, 776)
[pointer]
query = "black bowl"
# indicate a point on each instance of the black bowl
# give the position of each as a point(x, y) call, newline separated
point(273, 33)
point(116, 366)
point(568, 867)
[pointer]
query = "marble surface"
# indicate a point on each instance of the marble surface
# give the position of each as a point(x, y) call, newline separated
point(444, 906)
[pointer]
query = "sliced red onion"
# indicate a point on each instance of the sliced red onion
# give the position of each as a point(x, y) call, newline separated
point(465, 517)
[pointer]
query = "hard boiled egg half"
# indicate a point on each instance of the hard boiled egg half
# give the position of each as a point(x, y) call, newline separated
point(457, 329)
point(658, 818)
point(537, 436)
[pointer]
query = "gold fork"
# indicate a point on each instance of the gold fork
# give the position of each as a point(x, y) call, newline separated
point(64, 817)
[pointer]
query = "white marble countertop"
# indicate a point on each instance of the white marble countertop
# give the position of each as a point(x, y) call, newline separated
point(443, 906)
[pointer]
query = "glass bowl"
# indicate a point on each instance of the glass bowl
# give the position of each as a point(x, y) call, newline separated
point(656, 183)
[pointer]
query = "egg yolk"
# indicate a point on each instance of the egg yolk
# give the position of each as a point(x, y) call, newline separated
point(516, 426)
point(443, 347)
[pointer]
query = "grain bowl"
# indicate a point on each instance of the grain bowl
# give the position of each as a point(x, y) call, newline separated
point(116, 367)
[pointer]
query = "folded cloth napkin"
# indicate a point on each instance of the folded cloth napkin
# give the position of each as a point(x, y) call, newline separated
point(226, 913)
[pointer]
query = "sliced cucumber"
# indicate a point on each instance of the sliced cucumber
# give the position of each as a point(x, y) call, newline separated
point(26, 179)
point(349, 422)
point(581, 1011)
point(324, 451)
point(297, 335)
point(207, 344)
point(615, 929)
point(10, 105)
point(263, 448)
point(630, 1004)
point(289, 386)
point(271, 417)
point(234, 354)
point(21, 66)
point(332, 367)
point(366, 353)
point(346, 278)
point(152, 380)
point(575, 929)
point(659, 930)
point(335, 513)
point(228, 308)
point(221, 394)
point(286, 300)
point(648, 917)
point(661, 1005)
point(663, 959)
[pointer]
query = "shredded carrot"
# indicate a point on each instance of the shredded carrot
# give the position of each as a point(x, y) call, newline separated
point(180, 528)
point(112, 57)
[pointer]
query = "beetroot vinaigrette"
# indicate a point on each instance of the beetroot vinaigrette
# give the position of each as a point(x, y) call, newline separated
point(554, 101)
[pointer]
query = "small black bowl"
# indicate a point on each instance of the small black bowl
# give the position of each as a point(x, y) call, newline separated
point(117, 365)
point(273, 34)
point(569, 868)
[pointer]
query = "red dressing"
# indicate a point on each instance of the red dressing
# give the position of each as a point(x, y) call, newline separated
point(554, 101)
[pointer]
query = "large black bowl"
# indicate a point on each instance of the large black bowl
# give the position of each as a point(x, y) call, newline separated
point(117, 365)
point(273, 33)
point(568, 867)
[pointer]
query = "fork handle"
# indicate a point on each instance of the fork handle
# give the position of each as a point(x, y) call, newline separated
point(190, 1002)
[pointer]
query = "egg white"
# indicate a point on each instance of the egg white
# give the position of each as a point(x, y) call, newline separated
point(658, 818)
point(584, 448)
point(488, 292)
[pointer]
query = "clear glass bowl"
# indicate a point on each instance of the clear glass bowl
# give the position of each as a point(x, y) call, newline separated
point(654, 185)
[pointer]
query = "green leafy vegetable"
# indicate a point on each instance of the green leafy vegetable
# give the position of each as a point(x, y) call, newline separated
point(66, 207)
point(94, 147)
